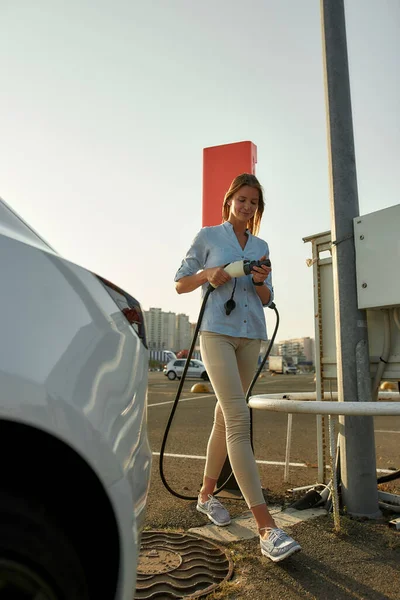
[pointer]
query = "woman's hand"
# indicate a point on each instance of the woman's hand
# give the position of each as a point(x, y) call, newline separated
point(217, 276)
point(260, 274)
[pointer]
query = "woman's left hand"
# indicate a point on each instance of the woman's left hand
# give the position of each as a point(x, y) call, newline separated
point(260, 274)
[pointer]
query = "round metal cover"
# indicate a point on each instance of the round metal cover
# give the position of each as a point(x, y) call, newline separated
point(158, 560)
point(179, 565)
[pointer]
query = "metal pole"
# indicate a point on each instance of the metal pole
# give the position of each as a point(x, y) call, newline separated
point(288, 447)
point(320, 376)
point(357, 447)
point(334, 491)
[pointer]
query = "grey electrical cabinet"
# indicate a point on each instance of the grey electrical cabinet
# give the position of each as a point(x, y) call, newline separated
point(377, 243)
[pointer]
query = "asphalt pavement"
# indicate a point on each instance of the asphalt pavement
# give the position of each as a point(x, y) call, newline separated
point(187, 440)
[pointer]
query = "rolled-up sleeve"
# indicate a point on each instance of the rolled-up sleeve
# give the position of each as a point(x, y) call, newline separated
point(195, 258)
point(268, 281)
point(269, 285)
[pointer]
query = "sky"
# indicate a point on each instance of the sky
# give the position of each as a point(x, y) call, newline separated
point(105, 108)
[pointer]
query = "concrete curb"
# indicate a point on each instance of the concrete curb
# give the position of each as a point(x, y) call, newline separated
point(245, 528)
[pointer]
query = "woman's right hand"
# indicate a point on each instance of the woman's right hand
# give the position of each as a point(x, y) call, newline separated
point(217, 276)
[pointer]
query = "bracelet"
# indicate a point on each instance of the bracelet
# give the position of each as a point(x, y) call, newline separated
point(259, 283)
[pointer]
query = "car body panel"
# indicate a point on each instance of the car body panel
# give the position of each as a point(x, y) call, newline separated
point(13, 225)
point(72, 365)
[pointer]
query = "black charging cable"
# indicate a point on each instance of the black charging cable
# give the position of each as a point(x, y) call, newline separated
point(180, 387)
point(230, 304)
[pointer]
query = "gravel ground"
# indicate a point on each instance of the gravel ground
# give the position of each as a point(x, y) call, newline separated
point(362, 562)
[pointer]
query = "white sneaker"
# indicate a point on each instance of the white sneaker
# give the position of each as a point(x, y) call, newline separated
point(214, 511)
point(278, 545)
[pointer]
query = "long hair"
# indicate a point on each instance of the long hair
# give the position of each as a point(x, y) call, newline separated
point(251, 180)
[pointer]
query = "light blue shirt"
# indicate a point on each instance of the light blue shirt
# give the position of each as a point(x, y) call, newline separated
point(217, 246)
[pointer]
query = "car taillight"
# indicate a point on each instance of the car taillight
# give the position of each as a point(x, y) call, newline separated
point(129, 307)
point(136, 319)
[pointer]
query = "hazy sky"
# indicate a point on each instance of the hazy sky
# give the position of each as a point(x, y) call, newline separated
point(105, 108)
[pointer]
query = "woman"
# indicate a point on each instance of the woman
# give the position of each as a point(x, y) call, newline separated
point(230, 337)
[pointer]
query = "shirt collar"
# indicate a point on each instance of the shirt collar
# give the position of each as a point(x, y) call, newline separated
point(229, 226)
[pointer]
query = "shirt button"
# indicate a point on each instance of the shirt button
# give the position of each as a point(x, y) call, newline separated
point(245, 305)
point(245, 321)
point(244, 289)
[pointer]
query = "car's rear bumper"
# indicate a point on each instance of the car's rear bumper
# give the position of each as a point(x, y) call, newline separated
point(129, 499)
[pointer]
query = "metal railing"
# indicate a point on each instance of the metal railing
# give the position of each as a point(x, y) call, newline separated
point(304, 402)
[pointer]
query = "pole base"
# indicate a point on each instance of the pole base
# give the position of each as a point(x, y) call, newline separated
point(230, 494)
point(235, 494)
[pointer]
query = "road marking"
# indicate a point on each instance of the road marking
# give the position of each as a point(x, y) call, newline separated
point(210, 395)
point(260, 462)
point(273, 463)
point(385, 431)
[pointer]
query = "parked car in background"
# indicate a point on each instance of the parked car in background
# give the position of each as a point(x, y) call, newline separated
point(174, 369)
point(76, 461)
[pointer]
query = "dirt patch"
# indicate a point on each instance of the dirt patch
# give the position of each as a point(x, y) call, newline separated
point(360, 563)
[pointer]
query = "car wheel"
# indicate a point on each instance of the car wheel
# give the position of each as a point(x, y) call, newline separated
point(36, 558)
point(205, 377)
point(171, 375)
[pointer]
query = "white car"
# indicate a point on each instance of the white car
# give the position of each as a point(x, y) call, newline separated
point(175, 369)
point(76, 461)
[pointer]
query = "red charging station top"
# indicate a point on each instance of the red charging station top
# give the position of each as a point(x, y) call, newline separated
point(221, 164)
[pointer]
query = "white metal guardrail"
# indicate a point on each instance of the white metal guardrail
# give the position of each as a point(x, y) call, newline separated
point(373, 409)
point(276, 402)
point(291, 403)
point(383, 396)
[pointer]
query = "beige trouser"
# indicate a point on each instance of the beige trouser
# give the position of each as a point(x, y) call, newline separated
point(231, 364)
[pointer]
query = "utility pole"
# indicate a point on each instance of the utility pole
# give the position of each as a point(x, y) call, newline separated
point(357, 444)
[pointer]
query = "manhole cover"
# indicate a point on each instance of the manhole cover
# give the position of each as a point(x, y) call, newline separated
point(179, 565)
point(158, 560)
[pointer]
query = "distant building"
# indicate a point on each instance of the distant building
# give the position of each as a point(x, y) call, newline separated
point(192, 330)
point(298, 350)
point(183, 331)
point(161, 329)
point(265, 345)
point(167, 331)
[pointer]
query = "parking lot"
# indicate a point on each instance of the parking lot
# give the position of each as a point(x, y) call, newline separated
point(186, 447)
